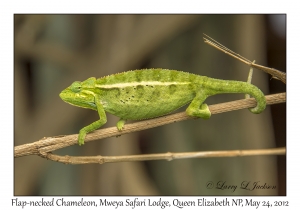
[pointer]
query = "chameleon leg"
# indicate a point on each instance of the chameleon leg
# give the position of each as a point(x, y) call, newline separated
point(120, 124)
point(95, 125)
point(197, 108)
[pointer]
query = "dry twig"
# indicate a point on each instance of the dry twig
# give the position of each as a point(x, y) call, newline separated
point(162, 156)
point(276, 74)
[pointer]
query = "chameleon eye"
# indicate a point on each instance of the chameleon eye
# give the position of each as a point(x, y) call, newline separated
point(75, 87)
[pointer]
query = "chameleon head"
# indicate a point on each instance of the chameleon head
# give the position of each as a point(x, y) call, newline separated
point(78, 95)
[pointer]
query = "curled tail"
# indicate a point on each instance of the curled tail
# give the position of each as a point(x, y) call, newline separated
point(260, 99)
point(217, 86)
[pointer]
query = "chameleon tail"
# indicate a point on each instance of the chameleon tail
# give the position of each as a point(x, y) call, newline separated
point(229, 86)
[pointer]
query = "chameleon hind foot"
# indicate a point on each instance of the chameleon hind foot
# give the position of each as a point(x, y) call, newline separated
point(202, 112)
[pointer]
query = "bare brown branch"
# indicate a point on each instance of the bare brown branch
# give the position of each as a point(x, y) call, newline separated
point(162, 156)
point(50, 144)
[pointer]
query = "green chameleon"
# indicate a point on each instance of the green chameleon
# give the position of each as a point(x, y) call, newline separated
point(149, 93)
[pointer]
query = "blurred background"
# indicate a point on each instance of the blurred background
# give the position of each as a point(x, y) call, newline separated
point(52, 51)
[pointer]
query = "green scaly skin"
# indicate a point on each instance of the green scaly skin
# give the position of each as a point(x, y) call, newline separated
point(149, 93)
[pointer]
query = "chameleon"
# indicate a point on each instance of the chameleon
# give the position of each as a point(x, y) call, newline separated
point(149, 93)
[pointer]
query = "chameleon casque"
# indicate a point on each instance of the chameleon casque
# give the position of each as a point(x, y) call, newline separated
point(149, 93)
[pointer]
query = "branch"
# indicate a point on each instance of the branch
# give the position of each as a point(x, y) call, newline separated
point(276, 74)
point(162, 156)
point(49, 144)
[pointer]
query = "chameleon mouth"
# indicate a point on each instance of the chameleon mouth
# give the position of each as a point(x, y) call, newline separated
point(68, 97)
point(64, 96)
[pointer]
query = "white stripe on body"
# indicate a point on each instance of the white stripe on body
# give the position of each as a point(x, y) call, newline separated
point(144, 83)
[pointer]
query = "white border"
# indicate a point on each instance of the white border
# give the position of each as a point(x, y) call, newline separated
point(8, 8)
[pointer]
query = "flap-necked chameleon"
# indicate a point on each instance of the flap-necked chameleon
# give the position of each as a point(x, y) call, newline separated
point(150, 93)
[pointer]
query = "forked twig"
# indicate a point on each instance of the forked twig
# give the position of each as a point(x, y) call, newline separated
point(276, 74)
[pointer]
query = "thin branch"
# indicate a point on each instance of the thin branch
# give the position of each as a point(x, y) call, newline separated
point(162, 156)
point(276, 74)
point(49, 144)
point(249, 79)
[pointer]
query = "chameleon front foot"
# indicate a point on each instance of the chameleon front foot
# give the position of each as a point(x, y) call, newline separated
point(81, 138)
point(120, 124)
